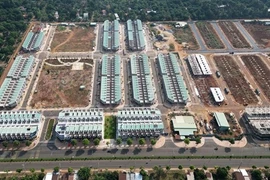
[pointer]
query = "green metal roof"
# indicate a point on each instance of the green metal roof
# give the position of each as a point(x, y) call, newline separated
point(105, 39)
point(116, 39)
point(39, 40)
point(116, 25)
point(129, 25)
point(139, 25)
point(106, 25)
point(221, 120)
point(21, 67)
point(141, 39)
point(27, 40)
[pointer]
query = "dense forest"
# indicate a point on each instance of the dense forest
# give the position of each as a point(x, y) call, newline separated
point(15, 14)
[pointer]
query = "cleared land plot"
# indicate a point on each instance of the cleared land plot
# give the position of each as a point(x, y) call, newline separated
point(60, 87)
point(203, 85)
point(209, 35)
point(185, 35)
point(259, 32)
point(259, 71)
point(235, 80)
point(73, 39)
point(233, 34)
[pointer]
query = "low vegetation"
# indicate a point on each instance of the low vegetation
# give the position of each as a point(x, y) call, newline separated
point(110, 127)
point(49, 129)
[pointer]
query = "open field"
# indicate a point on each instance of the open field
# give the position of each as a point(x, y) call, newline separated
point(185, 35)
point(259, 71)
point(203, 85)
point(60, 87)
point(73, 39)
point(233, 34)
point(209, 35)
point(260, 33)
point(235, 80)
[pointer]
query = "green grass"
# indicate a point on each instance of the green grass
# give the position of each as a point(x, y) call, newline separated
point(110, 127)
point(49, 129)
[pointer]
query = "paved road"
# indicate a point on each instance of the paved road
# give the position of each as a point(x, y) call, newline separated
point(222, 36)
point(248, 37)
point(126, 164)
point(197, 36)
point(216, 51)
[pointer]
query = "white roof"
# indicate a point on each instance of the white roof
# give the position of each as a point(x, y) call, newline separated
point(244, 172)
point(203, 64)
point(216, 92)
point(48, 176)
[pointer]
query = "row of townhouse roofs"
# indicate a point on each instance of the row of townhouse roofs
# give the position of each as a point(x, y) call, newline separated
point(34, 38)
point(13, 87)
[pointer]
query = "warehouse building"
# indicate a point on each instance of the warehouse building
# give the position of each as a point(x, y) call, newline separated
point(21, 67)
point(222, 122)
point(111, 35)
point(173, 83)
point(139, 122)
point(13, 86)
point(80, 123)
point(33, 41)
point(110, 92)
point(135, 35)
point(183, 126)
point(142, 87)
point(217, 94)
point(198, 65)
point(258, 118)
point(19, 125)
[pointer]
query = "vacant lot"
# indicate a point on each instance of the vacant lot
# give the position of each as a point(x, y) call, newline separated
point(60, 87)
point(259, 71)
point(235, 80)
point(73, 39)
point(209, 35)
point(233, 34)
point(259, 32)
point(203, 85)
point(185, 35)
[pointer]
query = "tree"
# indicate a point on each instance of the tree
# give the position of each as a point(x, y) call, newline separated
point(70, 170)
point(42, 170)
point(180, 167)
point(118, 141)
point(204, 167)
point(132, 168)
point(254, 167)
point(186, 141)
point(159, 173)
point(56, 169)
point(96, 141)
point(198, 140)
point(85, 142)
point(222, 173)
point(153, 142)
point(191, 167)
point(256, 174)
point(232, 141)
point(16, 143)
point(18, 170)
point(142, 141)
point(129, 141)
point(266, 167)
point(84, 173)
point(228, 168)
point(199, 174)
point(107, 143)
point(168, 168)
point(73, 142)
point(28, 143)
point(143, 172)
point(32, 170)
point(5, 143)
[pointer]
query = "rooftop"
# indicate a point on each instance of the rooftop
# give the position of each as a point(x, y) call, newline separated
point(221, 119)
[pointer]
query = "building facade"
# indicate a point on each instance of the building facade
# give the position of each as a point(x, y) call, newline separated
point(80, 123)
point(19, 125)
point(139, 122)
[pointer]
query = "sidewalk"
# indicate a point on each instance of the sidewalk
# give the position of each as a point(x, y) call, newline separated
point(239, 144)
point(182, 144)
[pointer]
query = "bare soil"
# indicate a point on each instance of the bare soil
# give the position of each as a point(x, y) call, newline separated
point(185, 35)
point(59, 87)
point(209, 35)
point(53, 61)
point(259, 71)
point(259, 32)
point(73, 39)
point(238, 85)
point(233, 34)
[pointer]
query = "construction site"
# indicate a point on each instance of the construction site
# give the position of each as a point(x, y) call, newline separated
point(233, 34)
point(73, 39)
point(238, 85)
point(67, 84)
point(259, 70)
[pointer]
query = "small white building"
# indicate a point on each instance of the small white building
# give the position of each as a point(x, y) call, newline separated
point(217, 94)
point(180, 24)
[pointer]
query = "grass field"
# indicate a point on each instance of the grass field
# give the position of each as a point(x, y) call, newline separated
point(73, 39)
point(49, 129)
point(185, 35)
point(110, 127)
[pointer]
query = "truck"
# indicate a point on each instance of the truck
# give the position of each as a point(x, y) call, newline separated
point(218, 74)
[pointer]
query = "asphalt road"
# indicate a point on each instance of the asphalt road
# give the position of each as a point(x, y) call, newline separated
point(126, 164)
point(197, 36)
point(222, 36)
point(248, 37)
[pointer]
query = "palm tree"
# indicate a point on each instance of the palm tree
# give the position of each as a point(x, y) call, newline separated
point(159, 173)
